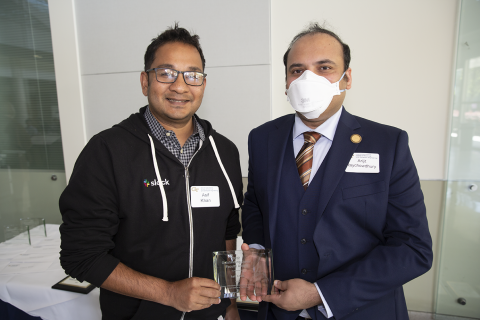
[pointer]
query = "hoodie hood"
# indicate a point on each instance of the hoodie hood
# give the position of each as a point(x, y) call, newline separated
point(137, 125)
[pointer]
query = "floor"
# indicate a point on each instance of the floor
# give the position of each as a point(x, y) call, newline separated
point(428, 316)
point(413, 315)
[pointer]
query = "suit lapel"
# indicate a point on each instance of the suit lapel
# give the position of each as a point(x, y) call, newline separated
point(277, 143)
point(338, 158)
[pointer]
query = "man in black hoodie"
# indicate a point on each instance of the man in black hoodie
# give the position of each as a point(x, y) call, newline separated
point(150, 199)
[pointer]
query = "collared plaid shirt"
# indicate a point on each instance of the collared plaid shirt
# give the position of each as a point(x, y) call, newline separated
point(170, 141)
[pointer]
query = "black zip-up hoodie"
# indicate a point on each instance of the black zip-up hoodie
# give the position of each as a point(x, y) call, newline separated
point(112, 211)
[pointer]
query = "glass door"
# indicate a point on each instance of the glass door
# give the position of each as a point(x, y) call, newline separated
point(32, 173)
point(459, 278)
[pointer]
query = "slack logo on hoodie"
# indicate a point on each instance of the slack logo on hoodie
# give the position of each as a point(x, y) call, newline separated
point(155, 183)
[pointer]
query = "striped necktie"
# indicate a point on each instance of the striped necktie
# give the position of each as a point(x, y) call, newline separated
point(304, 158)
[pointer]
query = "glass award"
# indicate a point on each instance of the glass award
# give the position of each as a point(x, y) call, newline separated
point(244, 272)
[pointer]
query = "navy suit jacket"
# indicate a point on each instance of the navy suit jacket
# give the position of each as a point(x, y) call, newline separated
point(371, 232)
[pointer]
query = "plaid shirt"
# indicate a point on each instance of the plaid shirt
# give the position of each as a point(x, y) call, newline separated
point(170, 141)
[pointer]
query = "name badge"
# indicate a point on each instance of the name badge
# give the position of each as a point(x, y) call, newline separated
point(364, 163)
point(201, 197)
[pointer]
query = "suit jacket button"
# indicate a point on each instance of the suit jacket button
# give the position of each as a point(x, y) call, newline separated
point(304, 212)
point(304, 271)
point(303, 241)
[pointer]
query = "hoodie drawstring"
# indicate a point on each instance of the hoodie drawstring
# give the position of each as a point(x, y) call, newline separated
point(224, 172)
point(160, 184)
point(159, 179)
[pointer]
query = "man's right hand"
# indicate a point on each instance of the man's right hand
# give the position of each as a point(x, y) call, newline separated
point(193, 294)
point(184, 295)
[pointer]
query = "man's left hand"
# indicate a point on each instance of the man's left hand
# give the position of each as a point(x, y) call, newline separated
point(232, 311)
point(295, 294)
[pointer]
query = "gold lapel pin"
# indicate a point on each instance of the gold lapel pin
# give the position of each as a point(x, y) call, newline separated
point(356, 138)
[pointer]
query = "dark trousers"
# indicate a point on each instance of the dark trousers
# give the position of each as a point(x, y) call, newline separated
point(271, 316)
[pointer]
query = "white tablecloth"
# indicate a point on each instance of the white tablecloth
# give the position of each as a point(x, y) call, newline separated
point(27, 273)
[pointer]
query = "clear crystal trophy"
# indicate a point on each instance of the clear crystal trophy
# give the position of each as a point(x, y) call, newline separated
point(244, 272)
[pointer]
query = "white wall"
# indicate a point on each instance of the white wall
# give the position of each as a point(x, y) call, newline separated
point(67, 76)
point(402, 57)
point(402, 62)
point(235, 38)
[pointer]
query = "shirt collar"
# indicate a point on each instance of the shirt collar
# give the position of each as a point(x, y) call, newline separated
point(326, 129)
point(197, 127)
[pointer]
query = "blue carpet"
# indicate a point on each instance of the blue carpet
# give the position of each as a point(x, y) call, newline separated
point(9, 312)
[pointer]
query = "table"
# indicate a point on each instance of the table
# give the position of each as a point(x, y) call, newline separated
point(27, 273)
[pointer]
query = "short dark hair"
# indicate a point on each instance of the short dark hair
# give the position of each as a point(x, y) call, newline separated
point(314, 28)
point(172, 34)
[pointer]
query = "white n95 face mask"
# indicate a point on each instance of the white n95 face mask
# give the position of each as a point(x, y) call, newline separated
point(311, 94)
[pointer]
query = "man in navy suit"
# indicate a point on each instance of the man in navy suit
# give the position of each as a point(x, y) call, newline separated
point(349, 231)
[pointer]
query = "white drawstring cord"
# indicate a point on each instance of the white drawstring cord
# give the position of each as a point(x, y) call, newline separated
point(224, 172)
point(159, 179)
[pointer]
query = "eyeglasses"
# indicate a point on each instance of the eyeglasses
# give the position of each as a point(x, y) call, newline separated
point(165, 75)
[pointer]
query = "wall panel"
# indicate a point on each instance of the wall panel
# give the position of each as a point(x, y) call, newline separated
point(110, 98)
point(235, 38)
point(113, 35)
point(234, 106)
point(402, 62)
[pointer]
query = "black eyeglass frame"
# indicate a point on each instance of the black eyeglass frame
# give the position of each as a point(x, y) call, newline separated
point(178, 72)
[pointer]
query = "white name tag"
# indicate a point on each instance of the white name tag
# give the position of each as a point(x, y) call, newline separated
point(201, 197)
point(364, 163)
